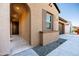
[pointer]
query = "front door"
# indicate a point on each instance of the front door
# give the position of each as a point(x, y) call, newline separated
point(15, 28)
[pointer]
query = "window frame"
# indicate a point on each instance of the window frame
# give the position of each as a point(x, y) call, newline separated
point(44, 12)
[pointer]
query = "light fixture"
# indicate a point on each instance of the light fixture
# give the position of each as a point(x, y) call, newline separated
point(50, 4)
point(17, 7)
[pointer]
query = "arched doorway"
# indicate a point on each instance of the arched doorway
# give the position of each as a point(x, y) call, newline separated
point(19, 24)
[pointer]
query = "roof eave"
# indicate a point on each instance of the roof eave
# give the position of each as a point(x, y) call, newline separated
point(62, 19)
point(56, 7)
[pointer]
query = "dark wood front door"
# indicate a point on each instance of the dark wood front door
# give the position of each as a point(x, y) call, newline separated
point(15, 28)
point(61, 28)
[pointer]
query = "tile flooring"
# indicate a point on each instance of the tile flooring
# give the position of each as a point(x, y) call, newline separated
point(18, 44)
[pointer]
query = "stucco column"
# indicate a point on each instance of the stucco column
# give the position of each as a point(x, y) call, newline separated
point(68, 27)
point(4, 28)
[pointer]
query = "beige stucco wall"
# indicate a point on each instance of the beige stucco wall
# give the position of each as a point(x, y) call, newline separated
point(24, 25)
point(50, 37)
point(4, 29)
point(36, 25)
point(36, 20)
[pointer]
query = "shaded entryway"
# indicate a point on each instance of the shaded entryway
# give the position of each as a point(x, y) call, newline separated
point(61, 28)
point(19, 26)
point(15, 28)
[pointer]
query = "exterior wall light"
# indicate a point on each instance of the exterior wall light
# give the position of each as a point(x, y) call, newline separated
point(50, 4)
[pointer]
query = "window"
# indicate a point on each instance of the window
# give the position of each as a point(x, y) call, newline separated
point(47, 21)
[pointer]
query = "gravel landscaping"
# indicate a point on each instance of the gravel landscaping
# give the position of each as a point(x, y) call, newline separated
point(44, 50)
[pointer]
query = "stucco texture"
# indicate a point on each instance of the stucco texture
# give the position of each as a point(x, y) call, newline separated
point(36, 21)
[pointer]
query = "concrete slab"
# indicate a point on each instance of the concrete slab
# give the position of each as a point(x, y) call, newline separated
point(69, 48)
point(28, 52)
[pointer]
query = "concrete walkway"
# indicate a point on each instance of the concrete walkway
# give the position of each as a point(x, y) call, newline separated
point(69, 48)
point(69, 36)
point(41, 50)
point(29, 52)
